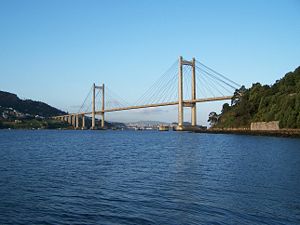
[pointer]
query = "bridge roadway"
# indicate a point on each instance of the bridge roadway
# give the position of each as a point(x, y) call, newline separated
point(166, 104)
point(186, 102)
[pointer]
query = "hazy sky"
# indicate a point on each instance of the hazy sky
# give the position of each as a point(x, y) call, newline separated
point(54, 50)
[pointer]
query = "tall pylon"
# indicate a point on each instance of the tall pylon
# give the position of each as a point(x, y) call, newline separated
point(181, 103)
point(94, 106)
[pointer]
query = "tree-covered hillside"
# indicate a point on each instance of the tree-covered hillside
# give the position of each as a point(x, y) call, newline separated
point(9, 100)
point(263, 103)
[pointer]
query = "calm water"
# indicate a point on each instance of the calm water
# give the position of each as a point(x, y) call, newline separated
point(135, 177)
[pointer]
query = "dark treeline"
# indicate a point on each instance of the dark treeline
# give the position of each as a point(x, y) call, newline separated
point(263, 103)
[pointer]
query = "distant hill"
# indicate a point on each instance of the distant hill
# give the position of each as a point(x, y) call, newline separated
point(10, 100)
point(263, 103)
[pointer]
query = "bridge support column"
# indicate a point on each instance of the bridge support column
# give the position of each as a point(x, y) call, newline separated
point(194, 110)
point(73, 120)
point(69, 119)
point(77, 121)
point(180, 95)
point(93, 107)
point(83, 121)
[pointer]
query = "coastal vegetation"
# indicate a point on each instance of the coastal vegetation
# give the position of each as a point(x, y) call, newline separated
point(33, 124)
point(16, 113)
point(30, 107)
point(263, 103)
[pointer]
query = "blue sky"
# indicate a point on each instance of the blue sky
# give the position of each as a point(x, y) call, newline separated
point(54, 50)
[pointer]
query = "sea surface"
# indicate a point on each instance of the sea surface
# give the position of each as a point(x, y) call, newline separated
point(147, 177)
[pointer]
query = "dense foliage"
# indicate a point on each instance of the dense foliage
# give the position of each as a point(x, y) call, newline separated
point(34, 124)
point(263, 103)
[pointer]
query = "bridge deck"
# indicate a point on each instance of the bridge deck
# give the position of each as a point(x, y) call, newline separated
point(153, 105)
point(165, 104)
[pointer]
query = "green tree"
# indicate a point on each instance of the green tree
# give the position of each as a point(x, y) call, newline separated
point(225, 108)
point(237, 95)
point(263, 103)
point(213, 118)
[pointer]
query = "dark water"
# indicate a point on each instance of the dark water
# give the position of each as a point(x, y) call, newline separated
point(132, 177)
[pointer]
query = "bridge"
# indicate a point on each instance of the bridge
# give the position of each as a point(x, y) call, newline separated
point(206, 85)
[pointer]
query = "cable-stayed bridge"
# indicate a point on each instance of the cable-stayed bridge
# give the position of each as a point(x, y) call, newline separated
point(185, 84)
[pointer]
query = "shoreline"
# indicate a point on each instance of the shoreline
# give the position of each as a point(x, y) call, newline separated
point(295, 133)
point(292, 133)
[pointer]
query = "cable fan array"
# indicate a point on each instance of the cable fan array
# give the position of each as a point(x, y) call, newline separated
point(163, 90)
point(209, 83)
point(87, 103)
point(213, 84)
point(112, 100)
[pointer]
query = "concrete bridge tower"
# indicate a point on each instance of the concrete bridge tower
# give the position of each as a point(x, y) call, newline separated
point(191, 103)
point(94, 106)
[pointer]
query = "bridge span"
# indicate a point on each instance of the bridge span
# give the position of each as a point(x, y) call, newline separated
point(73, 118)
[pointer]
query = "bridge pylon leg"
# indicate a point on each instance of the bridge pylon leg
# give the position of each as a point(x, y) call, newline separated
point(93, 107)
point(180, 95)
point(194, 109)
point(103, 104)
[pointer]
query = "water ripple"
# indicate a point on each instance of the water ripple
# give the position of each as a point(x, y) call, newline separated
point(86, 177)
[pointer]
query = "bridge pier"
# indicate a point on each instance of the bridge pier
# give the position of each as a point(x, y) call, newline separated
point(102, 120)
point(83, 121)
point(73, 120)
point(76, 121)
